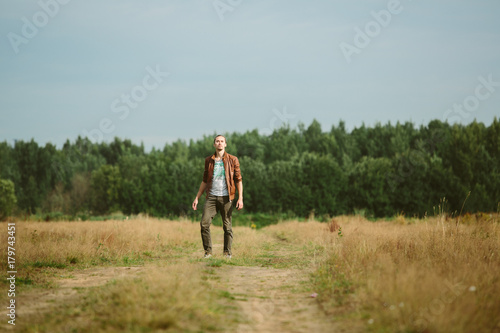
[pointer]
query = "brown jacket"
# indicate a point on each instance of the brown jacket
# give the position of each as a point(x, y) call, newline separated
point(231, 168)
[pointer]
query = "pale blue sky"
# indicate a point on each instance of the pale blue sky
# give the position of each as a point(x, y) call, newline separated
point(67, 70)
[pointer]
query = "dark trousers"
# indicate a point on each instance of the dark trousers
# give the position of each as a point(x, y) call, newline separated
point(214, 205)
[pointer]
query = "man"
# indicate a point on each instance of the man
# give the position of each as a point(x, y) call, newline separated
point(221, 178)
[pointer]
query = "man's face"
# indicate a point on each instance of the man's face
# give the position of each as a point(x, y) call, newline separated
point(220, 143)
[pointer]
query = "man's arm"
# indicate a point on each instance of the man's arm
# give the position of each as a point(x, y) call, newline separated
point(239, 186)
point(203, 186)
point(239, 183)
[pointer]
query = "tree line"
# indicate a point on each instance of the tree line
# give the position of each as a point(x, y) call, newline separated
point(382, 170)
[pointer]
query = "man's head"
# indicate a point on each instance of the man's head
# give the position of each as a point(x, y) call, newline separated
point(220, 142)
point(220, 136)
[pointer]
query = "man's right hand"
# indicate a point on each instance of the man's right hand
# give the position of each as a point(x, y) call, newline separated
point(203, 186)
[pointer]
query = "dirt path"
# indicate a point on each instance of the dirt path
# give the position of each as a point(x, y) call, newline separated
point(271, 300)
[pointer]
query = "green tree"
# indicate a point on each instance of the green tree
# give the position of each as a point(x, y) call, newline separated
point(57, 200)
point(105, 189)
point(79, 195)
point(286, 187)
point(27, 190)
point(368, 187)
point(249, 144)
point(132, 188)
point(327, 183)
point(7, 198)
point(8, 167)
point(257, 195)
point(284, 144)
point(442, 182)
point(319, 142)
point(410, 191)
point(348, 150)
point(492, 144)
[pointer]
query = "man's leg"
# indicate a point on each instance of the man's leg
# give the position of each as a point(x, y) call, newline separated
point(226, 209)
point(209, 211)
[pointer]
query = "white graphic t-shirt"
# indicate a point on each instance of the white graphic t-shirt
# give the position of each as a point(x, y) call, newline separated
point(219, 186)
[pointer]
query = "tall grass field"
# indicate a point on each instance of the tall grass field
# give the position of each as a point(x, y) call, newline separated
point(436, 274)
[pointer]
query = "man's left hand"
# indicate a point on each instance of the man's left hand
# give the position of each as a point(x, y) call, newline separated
point(239, 204)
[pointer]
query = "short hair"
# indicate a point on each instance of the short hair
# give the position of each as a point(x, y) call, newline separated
point(220, 135)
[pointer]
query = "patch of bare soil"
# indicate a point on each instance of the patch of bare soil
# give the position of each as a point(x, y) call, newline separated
point(271, 301)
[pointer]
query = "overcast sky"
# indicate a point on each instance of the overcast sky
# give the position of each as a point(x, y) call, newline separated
point(157, 71)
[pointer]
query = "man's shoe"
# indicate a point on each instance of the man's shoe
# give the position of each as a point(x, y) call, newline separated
point(207, 255)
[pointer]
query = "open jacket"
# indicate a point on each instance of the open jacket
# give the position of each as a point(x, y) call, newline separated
point(231, 168)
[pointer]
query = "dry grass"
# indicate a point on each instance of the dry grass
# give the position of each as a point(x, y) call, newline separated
point(67, 243)
point(172, 293)
point(168, 298)
point(430, 275)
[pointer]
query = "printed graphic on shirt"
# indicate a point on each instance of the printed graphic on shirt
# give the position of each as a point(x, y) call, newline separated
point(219, 186)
